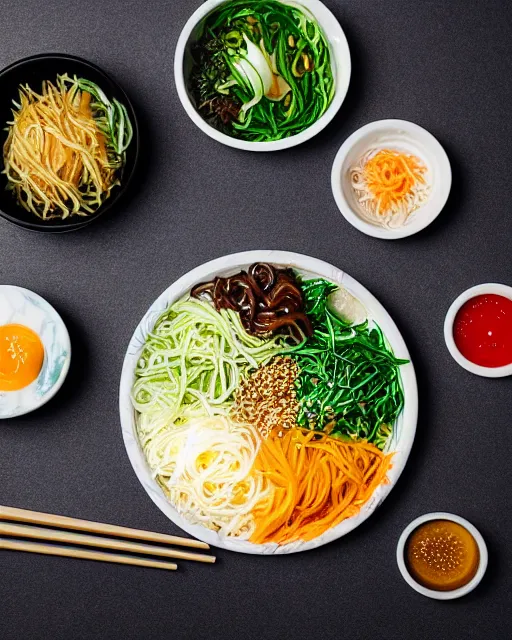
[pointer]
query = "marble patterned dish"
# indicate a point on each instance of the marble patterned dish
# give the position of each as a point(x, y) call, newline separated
point(21, 306)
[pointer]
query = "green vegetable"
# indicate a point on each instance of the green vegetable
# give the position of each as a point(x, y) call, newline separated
point(262, 70)
point(349, 382)
point(192, 362)
point(111, 117)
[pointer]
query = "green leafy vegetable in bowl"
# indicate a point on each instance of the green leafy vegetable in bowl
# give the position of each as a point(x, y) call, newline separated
point(349, 381)
point(261, 70)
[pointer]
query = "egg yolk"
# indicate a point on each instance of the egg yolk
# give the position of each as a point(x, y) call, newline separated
point(21, 356)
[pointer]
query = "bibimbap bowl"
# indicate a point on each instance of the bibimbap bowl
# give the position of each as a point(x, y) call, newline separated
point(403, 428)
point(246, 71)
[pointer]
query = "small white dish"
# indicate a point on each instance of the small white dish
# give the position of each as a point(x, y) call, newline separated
point(404, 136)
point(431, 593)
point(21, 306)
point(478, 290)
point(340, 59)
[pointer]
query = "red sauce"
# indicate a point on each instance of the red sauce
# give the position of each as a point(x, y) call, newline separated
point(483, 330)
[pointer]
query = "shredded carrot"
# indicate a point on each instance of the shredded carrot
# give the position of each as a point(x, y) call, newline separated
point(318, 481)
point(391, 176)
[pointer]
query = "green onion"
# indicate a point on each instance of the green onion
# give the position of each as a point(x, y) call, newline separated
point(112, 117)
point(349, 382)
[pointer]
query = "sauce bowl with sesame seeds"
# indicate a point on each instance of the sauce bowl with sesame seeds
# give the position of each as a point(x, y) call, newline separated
point(442, 556)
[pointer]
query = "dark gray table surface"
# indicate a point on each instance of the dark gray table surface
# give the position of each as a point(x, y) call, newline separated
point(444, 65)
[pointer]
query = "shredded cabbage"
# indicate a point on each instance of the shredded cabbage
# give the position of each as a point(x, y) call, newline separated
point(190, 366)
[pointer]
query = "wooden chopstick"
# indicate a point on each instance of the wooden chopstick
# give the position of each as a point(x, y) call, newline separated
point(35, 517)
point(83, 554)
point(52, 535)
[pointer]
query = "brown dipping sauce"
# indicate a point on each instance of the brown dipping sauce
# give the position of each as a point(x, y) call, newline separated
point(442, 555)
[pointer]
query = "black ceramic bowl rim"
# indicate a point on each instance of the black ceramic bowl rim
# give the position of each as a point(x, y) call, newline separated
point(73, 223)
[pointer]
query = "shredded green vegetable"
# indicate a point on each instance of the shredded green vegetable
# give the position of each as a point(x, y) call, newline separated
point(349, 382)
point(262, 70)
point(195, 357)
point(111, 118)
point(193, 361)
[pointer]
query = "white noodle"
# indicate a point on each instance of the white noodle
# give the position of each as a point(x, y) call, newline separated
point(205, 467)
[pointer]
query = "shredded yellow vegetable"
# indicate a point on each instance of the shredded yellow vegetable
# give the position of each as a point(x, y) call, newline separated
point(390, 185)
point(318, 481)
point(56, 158)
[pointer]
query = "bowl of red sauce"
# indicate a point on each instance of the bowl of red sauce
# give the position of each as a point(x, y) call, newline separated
point(478, 330)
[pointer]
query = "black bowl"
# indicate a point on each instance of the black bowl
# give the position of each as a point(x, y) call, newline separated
point(33, 71)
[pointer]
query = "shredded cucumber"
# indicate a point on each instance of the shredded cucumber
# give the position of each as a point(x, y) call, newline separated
point(111, 117)
point(192, 363)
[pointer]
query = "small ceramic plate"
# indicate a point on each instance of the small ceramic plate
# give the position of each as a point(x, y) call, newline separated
point(21, 306)
point(406, 137)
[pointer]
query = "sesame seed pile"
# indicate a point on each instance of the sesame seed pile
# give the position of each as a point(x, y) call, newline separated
point(266, 399)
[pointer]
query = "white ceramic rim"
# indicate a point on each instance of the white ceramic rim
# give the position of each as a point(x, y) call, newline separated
point(65, 368)
point(342, 78)
point(478, 290)
point(406, 422)
point(431, 593)
point(419, 223)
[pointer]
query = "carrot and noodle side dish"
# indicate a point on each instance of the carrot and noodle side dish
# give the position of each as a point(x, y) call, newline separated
point(389, 186)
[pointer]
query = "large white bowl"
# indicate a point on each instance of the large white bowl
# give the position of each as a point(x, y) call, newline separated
point(340, 61)
point(404, 429)
point(395, 134)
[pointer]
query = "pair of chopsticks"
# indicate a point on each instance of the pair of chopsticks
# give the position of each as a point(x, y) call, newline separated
point(30, 518)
